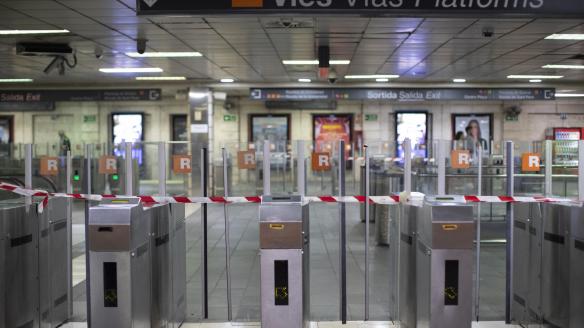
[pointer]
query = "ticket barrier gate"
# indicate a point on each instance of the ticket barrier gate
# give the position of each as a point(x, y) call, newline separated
point(436, 261)
point(284, 252)
point(138, 265)
point(33, 264)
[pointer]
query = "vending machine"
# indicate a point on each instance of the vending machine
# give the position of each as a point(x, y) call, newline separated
point(566, 145)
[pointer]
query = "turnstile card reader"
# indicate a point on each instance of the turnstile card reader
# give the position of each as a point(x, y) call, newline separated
point(119, 258)
point(284, 251)
point(444, 265)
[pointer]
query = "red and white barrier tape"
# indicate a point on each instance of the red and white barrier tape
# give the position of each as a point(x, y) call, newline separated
point(381, 200)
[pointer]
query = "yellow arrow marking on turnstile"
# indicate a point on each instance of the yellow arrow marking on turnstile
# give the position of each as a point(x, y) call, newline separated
point(451, 293)
point(281, 292)
point(277, 226)
point(449, 227)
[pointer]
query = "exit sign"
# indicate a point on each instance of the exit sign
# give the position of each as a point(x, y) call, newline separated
point(229, 118)
point(371, 117)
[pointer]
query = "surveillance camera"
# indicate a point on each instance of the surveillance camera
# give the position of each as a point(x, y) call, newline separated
point(333, 77)
point(98, 52)
point(141, 46)
point(488, 32)
point(286, 22)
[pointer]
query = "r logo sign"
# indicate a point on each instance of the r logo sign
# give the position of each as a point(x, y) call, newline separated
point(108, 165)
point(246, 160)
point(321, 161)
point(181, 164)
point(247, 3)
point(530, 162)
point(49, 166)
point(460, 159)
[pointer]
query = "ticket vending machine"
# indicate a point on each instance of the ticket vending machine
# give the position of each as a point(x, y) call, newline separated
point(119, 259)
point(284, 252)
point(444, 265)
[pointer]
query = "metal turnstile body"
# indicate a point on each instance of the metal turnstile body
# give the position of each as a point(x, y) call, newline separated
point(407, 266)
point(33, 264)
point(528, 237)
point(556, 265)
point(168, 245)
point(119, 259)
point(19, 261)
point(284, 251)
point(577, 268)
point(444, 265)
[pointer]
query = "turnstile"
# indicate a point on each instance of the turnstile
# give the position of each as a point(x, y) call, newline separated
point(120, 265)
point(406, 254)
point(33, 264)
point(577, 268)
point(168, 244)
point(444, 265)
point(284, 251)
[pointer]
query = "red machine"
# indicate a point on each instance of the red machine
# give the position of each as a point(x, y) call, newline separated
point(568, 134)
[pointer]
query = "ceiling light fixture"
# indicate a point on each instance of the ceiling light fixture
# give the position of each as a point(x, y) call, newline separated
point(382, 80)
point(578, 37)
point(131, 70)
point(569, 95)
point(197, 95)
point(315, 62)
point(369, 77)
point(459, 80)
point(164, 54)
point(564, 66)
point(535, 81)
point(304, 80)
point(227, 80)
point(23, 32)
point(16, 80)
point(537, 77)
point(161, 78)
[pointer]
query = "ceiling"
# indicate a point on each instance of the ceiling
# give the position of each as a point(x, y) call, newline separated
point(251, 49)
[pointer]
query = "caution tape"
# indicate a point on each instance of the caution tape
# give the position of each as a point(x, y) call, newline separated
point(380, 200)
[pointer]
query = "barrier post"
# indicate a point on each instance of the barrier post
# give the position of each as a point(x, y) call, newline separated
point(162, 164)
point(28, 166)
point(266, 168)
point(510, 157)
point(342, 233)
point(478, 233)
point(549, 169)
point(367, 176)
point(301, 169)
point(441, 158)
point(129, 169)
point(204, 207)
point(407, 146)
point(581, 170)
point(87, 190)
point(69, 170)
point(227, 243)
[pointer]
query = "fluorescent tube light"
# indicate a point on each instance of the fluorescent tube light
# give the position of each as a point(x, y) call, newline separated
point(164, 54)
point(577, 37)
point(382, 80)
point(315, 62)
point(197, 95)
point(459, 80)
point(535, 81)
point(161, 78)
point(22, 32)
point(131, 70)
point(564, 66)
point(365, 77)
point(537, 77)
point(305, 80)
point(15, 80)
point(227, 80)
point(340, 62)
point(569, 95)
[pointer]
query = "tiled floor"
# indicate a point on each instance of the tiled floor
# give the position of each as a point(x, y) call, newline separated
point(324, 258)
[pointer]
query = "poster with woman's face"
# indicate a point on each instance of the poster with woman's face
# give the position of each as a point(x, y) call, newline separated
point(477, 127)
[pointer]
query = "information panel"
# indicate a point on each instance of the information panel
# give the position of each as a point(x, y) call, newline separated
point(538, 8)
point(406, 94)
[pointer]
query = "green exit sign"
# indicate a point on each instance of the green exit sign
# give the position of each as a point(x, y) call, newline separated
point(371, 117)
point(511, 118)
point(89, 118)
point(229, 118)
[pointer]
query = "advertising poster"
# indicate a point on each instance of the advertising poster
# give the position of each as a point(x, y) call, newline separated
point(329, 129)
point(129, 128)
point(471, 130)
point(413, 126)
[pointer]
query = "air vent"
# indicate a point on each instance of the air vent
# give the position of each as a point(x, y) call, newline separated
point(289, 23)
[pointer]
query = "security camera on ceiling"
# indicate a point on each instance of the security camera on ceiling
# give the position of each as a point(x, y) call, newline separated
point(141, 46)
point(60, 52)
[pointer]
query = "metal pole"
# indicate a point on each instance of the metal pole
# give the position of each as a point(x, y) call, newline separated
point(69, 170)
point(509, 259)
point(266, 164)
point(581, 170)
point(342, 233)
point(300, 177)
point(549, 161)
point(367, 172)
point(407, 146)
point(478, 236)
point(129, 169)
point(87, 190)
point(162, 169)
point(227, 243)
point(204, 237)
point(441, 157)
point(28, 166)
